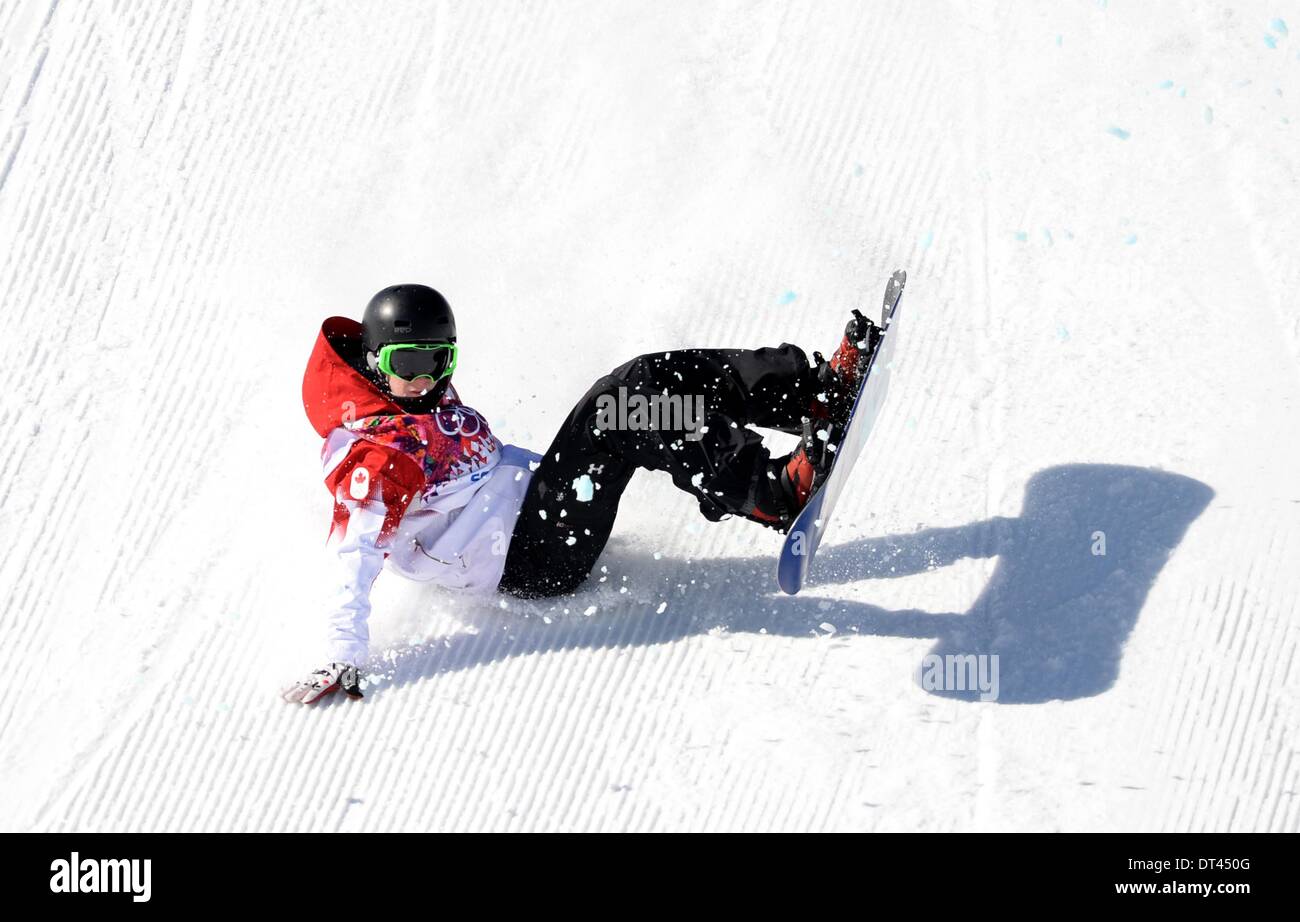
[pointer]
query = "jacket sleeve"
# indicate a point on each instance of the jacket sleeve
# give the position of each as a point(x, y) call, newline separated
point(358, 559)
point(372, 489)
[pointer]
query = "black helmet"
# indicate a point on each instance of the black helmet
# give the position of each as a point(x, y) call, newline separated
point(413, 315)
point(407, 314)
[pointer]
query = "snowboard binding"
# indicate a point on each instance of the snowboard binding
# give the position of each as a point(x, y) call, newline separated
point(839, 380)
point(796, 476)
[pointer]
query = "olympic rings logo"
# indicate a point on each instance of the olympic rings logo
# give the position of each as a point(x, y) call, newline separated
point(462, 421)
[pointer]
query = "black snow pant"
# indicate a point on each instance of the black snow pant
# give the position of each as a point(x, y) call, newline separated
point(683, 412)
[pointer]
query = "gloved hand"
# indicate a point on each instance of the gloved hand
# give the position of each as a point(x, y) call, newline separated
point(325, 681)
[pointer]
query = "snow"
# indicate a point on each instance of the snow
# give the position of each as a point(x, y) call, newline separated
point(1103, 336)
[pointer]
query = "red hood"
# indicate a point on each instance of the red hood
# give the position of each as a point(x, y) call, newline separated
point(334, 391)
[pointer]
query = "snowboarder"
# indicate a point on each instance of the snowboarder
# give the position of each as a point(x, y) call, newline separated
point(422, 485)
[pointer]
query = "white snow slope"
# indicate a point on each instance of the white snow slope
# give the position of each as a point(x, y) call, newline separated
point(1097, 207)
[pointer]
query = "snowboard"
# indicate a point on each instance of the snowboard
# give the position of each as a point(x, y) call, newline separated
point(806, 531)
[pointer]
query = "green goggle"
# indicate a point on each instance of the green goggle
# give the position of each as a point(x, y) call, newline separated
point(409, 361)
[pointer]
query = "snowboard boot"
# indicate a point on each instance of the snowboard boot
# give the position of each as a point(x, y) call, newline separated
point(793, 478)
point(839, 380)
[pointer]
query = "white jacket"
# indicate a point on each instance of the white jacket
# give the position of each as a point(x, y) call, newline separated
point(456, 536)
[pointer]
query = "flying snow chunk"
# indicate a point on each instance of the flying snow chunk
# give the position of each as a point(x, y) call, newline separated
point(590, 610)
point(583, 489)
point(696, 480)
point(662, 608)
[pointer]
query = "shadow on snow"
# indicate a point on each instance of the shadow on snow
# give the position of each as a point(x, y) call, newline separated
point(1056, 613)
